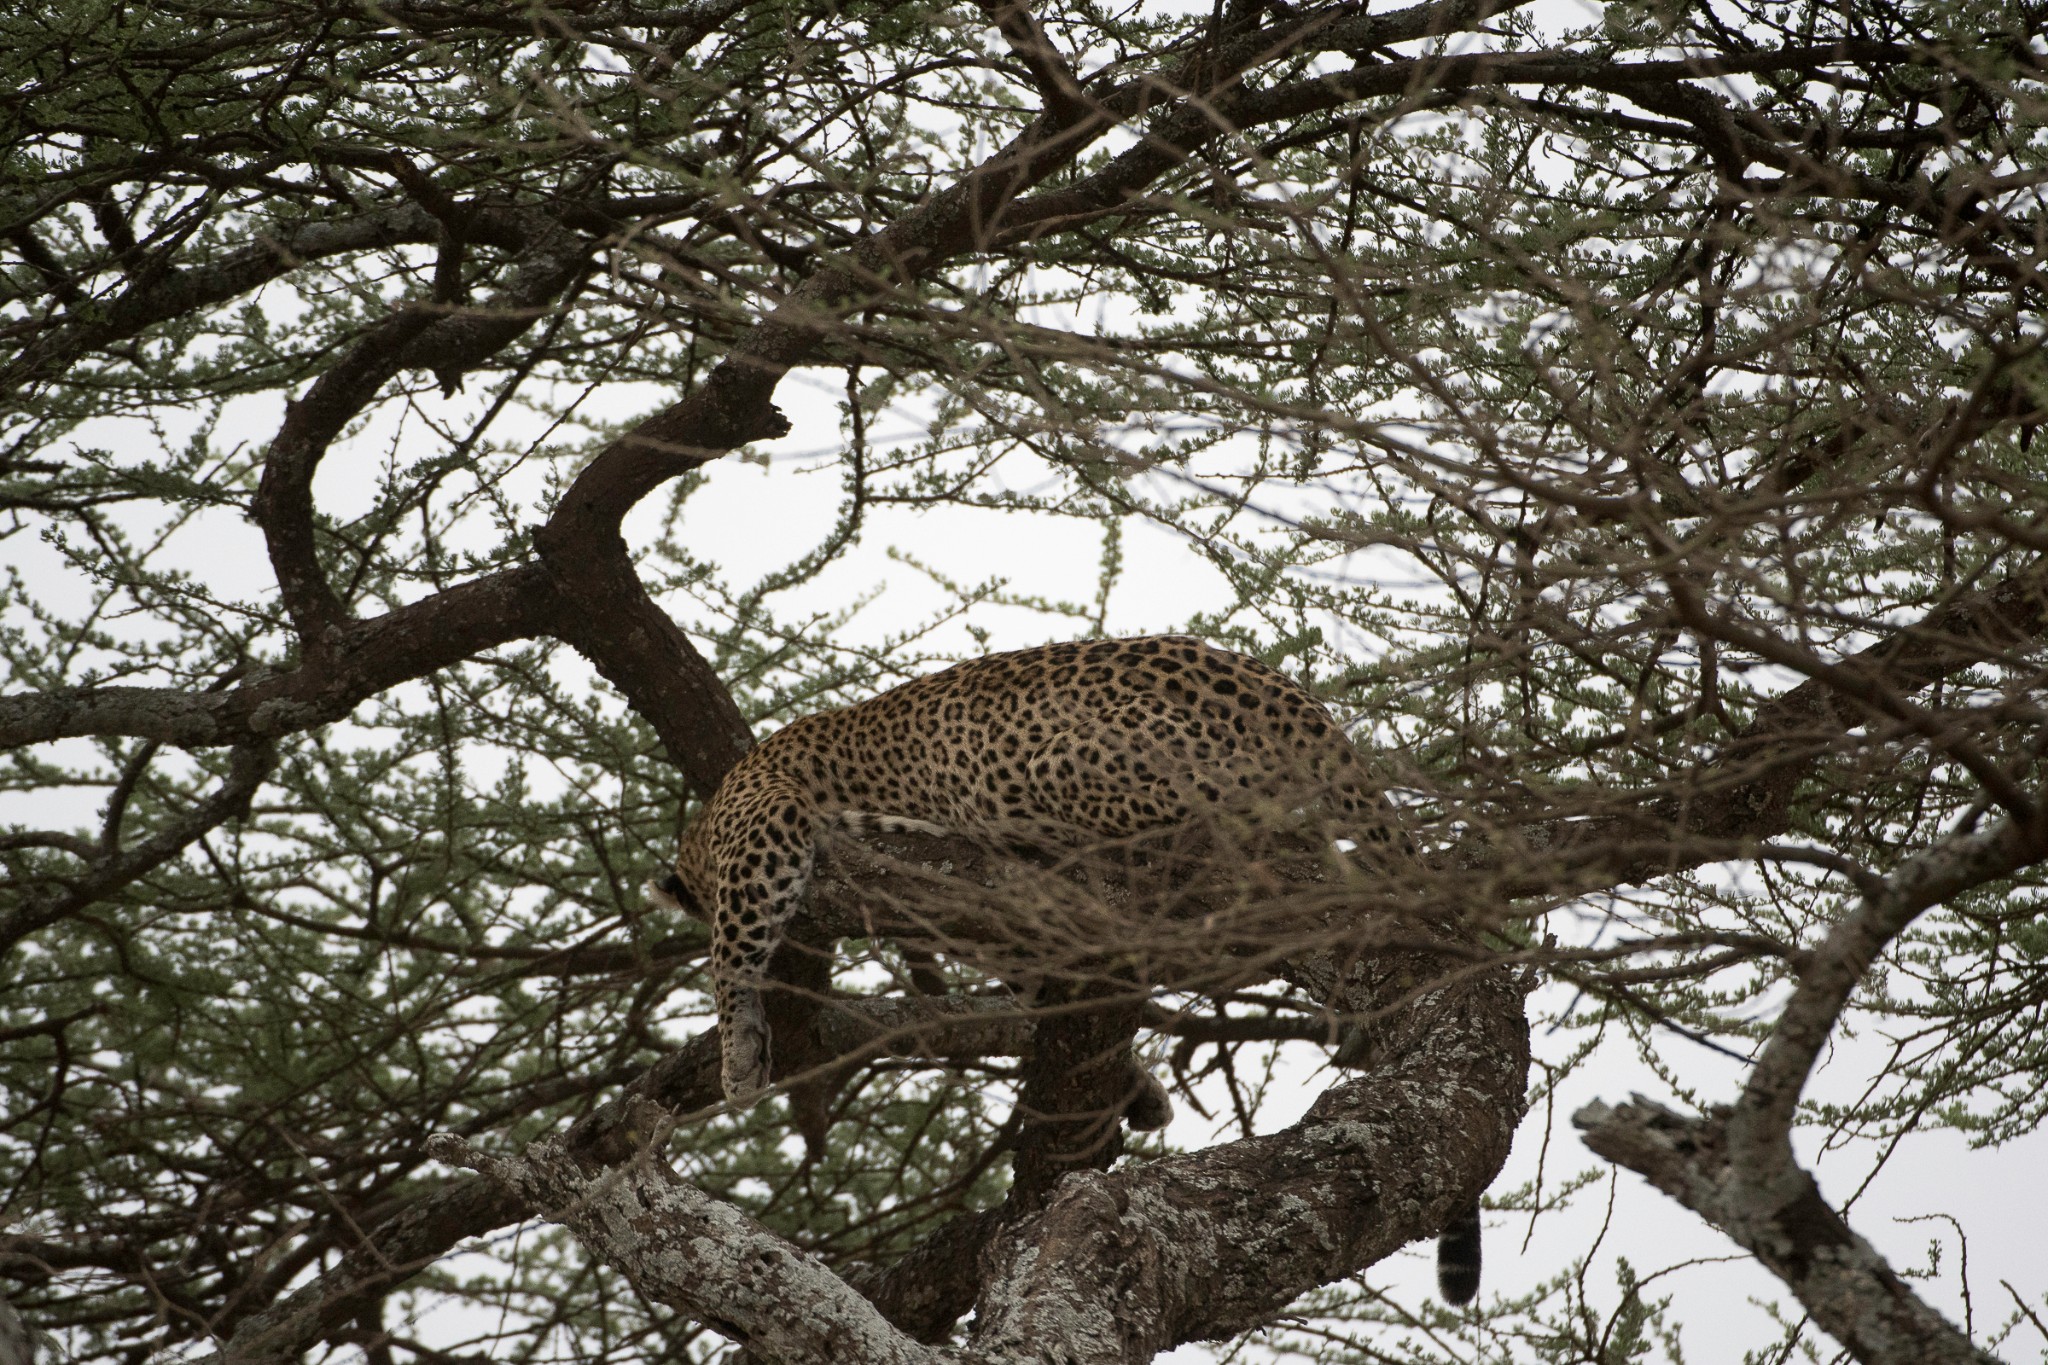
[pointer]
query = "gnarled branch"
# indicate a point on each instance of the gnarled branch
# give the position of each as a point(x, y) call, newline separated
point(1735, 1167)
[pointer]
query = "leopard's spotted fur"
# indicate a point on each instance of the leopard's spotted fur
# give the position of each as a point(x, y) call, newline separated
point(1057, 747)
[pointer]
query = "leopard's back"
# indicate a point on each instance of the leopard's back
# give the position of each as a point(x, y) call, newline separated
point(1104, 737)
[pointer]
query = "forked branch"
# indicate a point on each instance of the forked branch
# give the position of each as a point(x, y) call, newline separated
point(1735, 1167)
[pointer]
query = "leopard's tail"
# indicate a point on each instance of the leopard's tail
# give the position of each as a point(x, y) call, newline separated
point(1457, 1257)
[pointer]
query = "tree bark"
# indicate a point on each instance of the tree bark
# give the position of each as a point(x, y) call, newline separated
point(1735, 1167)
point(1121, 1265)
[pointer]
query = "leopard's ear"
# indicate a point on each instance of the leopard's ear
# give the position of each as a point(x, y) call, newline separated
point(670, 893)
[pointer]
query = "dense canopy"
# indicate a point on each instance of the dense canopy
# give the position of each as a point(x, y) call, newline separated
point(440, 434)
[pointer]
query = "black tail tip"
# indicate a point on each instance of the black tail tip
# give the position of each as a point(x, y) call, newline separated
point(1459, 1284)
point(1457, 1259)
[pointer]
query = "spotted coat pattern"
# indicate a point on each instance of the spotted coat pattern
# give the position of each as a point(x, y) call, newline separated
point(1053, 747)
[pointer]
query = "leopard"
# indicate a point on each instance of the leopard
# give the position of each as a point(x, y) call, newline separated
point(1055, 747)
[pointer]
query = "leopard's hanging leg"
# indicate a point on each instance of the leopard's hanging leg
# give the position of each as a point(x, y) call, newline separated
point(764, 850)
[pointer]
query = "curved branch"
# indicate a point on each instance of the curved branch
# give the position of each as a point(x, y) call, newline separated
point(283, 505)
point(417, 338)
point(1852, 1293)
point(603, 611)
point(247, 767)
point(1759, 1129)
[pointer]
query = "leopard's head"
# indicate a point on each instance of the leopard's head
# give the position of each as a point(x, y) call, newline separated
point(671, 893)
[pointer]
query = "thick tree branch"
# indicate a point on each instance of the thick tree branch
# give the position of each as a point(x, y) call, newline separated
point(603, 611)
point(1078, 1080)
point(1736, 1168)
point(681, 1247)
point(1207, 1244)
point(929, 1288)
point(1871, 692)
point(158, 296)
point(1852, 1293)
point(1118, 1266)
point(429, 1227)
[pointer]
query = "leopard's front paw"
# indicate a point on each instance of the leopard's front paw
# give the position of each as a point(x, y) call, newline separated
point(1148, 1109)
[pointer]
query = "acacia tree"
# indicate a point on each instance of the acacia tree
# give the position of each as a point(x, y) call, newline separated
point(1621, 418)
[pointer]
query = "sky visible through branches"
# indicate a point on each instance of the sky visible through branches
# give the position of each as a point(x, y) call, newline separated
point(438, 437)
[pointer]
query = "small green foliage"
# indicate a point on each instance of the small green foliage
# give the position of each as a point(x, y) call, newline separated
point(1631, 480)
